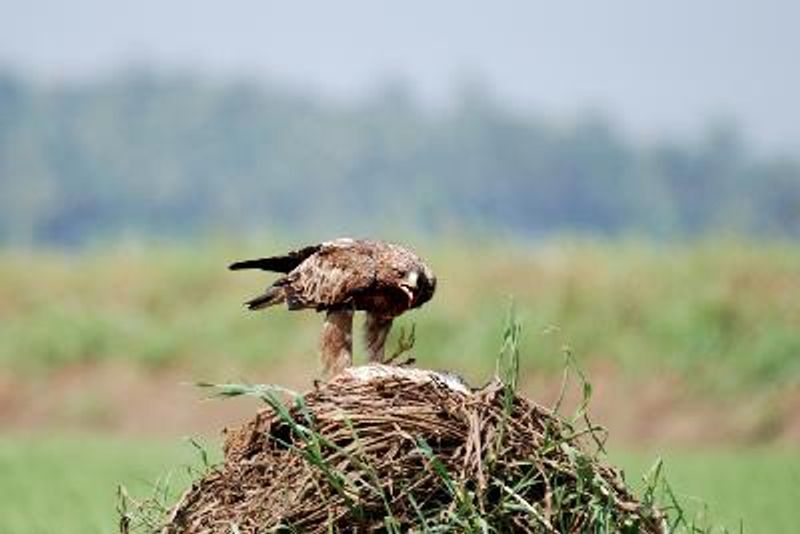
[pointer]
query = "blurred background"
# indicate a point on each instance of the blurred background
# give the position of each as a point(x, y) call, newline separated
point(628, 173)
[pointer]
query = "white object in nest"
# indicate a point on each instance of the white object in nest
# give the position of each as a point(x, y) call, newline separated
point(377, 370)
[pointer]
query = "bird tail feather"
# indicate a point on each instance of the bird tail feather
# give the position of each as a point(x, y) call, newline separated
point(273, 295)
point(278, 264)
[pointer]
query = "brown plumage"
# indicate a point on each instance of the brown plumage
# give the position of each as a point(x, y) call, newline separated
point(341, 277)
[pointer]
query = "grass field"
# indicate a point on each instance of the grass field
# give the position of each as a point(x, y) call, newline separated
point(68, 484)
point(723, 317)
point(724, 314)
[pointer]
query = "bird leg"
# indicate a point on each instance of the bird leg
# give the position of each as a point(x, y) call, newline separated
point(376, 330)
point(336, 342)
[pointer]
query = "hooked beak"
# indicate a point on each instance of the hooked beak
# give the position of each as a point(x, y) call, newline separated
point(409, 293)
point(409, 284)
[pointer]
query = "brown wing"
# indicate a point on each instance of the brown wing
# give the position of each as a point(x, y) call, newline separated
point(333, 276)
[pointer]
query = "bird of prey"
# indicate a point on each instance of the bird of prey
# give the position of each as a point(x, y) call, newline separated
point(343, 276)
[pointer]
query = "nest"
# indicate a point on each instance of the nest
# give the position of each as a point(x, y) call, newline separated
point(391, 449)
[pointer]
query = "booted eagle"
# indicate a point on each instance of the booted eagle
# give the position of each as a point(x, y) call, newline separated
point(343, 276)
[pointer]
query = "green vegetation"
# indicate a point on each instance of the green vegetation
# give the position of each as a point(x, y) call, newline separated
point(721, 313)
point(756, 488)
point(69, 484)
point(151, 155)
point(725, 314)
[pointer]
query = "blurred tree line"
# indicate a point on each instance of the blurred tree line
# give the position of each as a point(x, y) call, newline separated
point(154, 155)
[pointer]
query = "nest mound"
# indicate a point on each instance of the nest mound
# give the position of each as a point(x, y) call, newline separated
point(383, 448)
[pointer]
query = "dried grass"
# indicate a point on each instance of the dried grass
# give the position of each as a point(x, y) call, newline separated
point(384, 448)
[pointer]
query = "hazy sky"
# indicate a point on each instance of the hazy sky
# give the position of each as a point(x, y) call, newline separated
point(656, 66)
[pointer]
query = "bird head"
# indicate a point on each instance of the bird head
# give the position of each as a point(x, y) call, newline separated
point(418, 284)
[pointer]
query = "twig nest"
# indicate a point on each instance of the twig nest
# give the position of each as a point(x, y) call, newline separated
point(382, 448)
